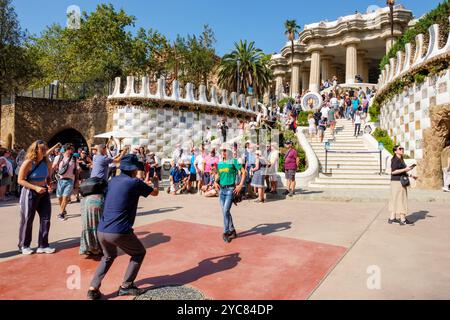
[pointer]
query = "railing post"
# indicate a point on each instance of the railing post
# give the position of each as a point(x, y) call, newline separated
point(381, 165)
point(326, 160)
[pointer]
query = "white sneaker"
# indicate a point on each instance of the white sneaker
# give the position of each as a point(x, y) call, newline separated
point(46, 250)
point(446, 189)
point(27, 250)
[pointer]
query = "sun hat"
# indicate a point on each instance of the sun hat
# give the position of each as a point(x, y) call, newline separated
point(130, 162)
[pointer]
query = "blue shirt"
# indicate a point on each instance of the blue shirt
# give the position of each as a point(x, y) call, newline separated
point(192, 168)
point(121, 204)
point(177, 174)
point(100, 168)
point(355, 104)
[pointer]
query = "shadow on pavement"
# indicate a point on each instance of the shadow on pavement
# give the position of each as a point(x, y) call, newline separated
point(159, 211)
point(266, 228)
point(58, 245)
point(205, 268)
point(419, 215)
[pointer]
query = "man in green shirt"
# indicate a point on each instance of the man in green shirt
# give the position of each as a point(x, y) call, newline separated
point(225, 181)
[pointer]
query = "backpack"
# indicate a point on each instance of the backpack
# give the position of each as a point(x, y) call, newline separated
point(65, 167)
point(93, 186)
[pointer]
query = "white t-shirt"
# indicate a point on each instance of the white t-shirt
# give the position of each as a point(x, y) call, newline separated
point(324, 112)
point(334, 102)
point(199, 161)
point(312, 123)
point(357, 118)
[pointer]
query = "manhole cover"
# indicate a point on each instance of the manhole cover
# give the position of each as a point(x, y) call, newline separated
point(175, 292)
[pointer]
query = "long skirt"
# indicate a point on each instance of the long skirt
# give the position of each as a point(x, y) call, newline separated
point(91, 212)
point(399, 198)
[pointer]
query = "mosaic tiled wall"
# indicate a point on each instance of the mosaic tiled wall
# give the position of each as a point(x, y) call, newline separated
point(163, 128)
point(407, 114)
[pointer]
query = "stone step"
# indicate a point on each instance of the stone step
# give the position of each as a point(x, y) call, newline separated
point(342, 176)
point(349, 162)
point(349, 165)
point(353, 171)
point(347, 186)
point(352, 182)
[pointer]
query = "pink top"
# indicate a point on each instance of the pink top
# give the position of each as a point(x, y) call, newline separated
point(70, 171)
point(209, 162)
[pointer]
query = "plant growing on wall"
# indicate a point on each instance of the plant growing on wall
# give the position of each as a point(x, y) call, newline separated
point(437, 16)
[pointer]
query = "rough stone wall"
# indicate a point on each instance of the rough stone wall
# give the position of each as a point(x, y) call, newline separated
point(30, 119)
point(7, 123)
point(429, 168)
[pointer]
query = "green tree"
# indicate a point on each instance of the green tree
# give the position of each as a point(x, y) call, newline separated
point(291, 29)
point(99, 51)
point(254, 69)
point(17, 63)
point(193, 59)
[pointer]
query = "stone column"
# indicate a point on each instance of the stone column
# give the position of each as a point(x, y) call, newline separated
point(278, 74)
point(314, 77)
point(351, 63)
point(305, 79)
point(389, 43)
point(326, 67)
point(365, 72)
point(295, 79)
point(360, 71)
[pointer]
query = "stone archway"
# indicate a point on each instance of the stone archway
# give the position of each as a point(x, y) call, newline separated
point(429, 168)
point(69, 135)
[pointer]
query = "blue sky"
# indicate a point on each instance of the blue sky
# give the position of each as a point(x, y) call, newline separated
point(260, 21)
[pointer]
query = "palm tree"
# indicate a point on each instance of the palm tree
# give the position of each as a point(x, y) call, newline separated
point(291, 28)
point(253, 70)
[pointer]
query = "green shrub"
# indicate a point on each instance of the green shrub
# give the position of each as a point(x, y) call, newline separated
point(382, 136)
point(302, 119)
point(439, 15)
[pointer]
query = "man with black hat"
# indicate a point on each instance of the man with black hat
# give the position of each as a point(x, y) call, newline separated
point(115, 229)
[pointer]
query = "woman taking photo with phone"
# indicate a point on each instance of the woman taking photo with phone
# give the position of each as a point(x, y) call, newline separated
point(34, 177)
point(399, 184)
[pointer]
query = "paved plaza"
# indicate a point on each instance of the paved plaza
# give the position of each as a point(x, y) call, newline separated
point(286, 249)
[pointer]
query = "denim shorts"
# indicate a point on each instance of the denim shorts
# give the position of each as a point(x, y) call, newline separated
point(64, 188)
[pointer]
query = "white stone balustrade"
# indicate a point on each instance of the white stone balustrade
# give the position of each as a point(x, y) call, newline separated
point(241, 103)
point(403, 63)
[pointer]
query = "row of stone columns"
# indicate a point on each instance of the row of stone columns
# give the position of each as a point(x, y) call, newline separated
point(303, 78)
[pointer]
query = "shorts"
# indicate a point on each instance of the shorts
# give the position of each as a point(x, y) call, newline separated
point(64, 188)
point(5, 181)
point(312, 130)
point(290, 174)
point(206, 177)
point(193, 177)
point(175, 187)
point(332, 122)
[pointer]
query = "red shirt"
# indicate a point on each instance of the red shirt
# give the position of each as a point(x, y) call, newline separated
point(290, 160)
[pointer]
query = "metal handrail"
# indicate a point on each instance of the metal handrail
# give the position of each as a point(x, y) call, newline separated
point(355, 152)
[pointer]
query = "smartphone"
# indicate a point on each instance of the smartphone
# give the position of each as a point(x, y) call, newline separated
point(413, 166)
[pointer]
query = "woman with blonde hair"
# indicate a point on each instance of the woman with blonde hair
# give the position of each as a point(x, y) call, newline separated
point(34, 177)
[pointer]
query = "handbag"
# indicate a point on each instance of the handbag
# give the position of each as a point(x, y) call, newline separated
point(93, 186)
point(404, 180)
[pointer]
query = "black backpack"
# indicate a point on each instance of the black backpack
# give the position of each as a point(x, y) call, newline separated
point(92, 186)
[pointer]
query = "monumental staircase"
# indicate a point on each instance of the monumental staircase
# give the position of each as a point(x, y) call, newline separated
point(348, 170)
